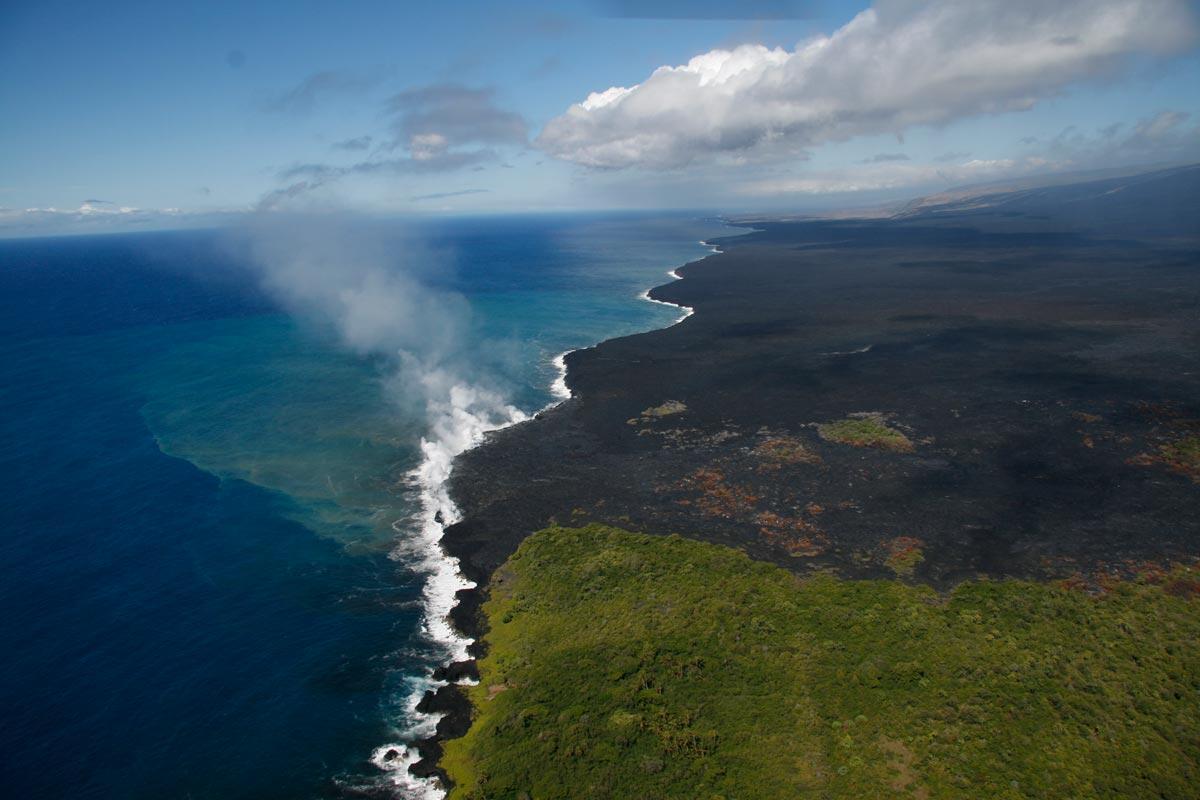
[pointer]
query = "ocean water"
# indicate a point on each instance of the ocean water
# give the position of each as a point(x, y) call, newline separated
point(221, 477)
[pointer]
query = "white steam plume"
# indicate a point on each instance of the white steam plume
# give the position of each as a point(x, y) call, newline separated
point(371, 286)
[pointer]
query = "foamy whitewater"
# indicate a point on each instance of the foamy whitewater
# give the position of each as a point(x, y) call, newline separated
point(461, 415)
point(687, 310)
point(559, 387)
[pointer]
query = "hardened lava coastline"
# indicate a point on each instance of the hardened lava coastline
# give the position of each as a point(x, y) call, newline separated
point(977, 388)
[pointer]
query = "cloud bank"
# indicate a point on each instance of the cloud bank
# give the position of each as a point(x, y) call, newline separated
point(431, 119)
point(899, 64)
point(1166, 137)
point(431, 129)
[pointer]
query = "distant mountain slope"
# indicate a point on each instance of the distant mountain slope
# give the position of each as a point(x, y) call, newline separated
point(1162, 203)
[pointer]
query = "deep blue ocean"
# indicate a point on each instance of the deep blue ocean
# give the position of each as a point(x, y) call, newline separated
point(212, 581)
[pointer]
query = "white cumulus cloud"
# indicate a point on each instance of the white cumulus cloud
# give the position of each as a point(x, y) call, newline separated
point(899, 64)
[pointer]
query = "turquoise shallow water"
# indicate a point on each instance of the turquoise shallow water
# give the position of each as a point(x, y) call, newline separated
point(211, 579)
point(259, 400)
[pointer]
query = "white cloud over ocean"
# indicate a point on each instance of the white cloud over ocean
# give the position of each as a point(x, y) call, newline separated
point(899, 64)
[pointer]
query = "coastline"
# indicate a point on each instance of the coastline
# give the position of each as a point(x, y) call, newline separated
point(559, 387)
point(434, 702)
point(446, 711)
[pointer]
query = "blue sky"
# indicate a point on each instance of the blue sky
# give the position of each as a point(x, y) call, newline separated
point(463, 107)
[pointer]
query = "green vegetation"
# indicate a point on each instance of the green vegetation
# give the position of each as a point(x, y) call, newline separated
point(1184, 456)
point(865, 430)
point(666, 409)
point(631, 666)
point(658, 412)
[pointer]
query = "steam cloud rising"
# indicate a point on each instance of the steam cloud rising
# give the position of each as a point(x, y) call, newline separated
point(374, 289)
point(373, 292)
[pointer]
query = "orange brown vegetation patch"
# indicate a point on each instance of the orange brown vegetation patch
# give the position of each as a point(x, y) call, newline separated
point(779, 451)
point(1079, 583)
point(1183, 587)
point(718, 497)
point(1160, 412)
point(795, 535)
point(1174, 576)
point(903, 553)
point(1183, 456)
